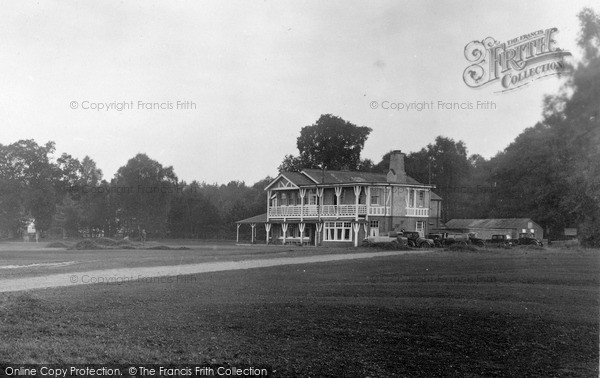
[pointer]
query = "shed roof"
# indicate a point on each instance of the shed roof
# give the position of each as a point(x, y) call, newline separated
point(490, 223)
point(435, 197)
point(262, 218)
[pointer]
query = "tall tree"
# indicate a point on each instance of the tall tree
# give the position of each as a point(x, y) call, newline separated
point(26, 167)
point(192, 215)
point(330, 143)
point(552, 170)
point(143, 189)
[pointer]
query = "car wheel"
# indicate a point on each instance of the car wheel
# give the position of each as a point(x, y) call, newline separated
point(411, 243)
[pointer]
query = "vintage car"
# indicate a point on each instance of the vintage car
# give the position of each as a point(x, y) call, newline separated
point(438, 239)
point(504, 240)
point(445, 239)
point(415, 240)
point(391, 237)
point(528, 240)
point(473, 239)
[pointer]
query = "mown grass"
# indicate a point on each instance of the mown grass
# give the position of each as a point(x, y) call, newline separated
point(152, 254)
point(485, 313)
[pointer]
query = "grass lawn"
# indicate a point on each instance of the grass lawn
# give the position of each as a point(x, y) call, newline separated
point(31, 259)
point(491, 313)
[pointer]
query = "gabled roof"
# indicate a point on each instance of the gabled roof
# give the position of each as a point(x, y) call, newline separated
point(294, 178)
point(298, 178)
point(489, 223)
point(350, 177)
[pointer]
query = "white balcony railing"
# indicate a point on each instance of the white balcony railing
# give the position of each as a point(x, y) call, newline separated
point(379, 210)
point(307, 211)
point(417, 211)
point(295, 211)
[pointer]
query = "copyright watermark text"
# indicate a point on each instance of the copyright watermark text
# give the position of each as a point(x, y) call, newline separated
point(438, 105)
point(95, 279)
point(120, 106)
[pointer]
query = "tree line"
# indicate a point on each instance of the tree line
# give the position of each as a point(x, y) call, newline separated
point(70, 198)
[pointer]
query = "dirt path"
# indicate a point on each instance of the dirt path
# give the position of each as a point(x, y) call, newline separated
point(146, 273)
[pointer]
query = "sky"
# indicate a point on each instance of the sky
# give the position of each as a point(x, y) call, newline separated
point(220, 89)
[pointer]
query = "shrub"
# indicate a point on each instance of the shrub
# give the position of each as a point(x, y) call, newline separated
point(167, 248)
point(103, 243)
point(110, 242)
point(86, 244)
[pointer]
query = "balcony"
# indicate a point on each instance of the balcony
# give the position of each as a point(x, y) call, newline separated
point(334, 211)
point(417, 212)
point(324, 211)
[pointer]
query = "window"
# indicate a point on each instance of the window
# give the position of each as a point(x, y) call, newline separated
point(411, 197)
point(312, 199)
point(284, 199)
point(376, 196)
point(421, 198)
point(338, 231)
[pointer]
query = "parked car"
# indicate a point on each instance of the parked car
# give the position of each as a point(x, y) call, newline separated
point(438, 239)
point(446, 239)
point(473, 239)
point(416, 240)
point(391, 237)
point(505, 240)
point(528, 240)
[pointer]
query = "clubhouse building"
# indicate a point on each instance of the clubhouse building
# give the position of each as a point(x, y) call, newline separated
point(323, 207)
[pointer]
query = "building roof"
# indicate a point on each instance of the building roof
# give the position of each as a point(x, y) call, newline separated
point(262, 218)
point(328, 177)
point(507, 223)
point(435, 197)
point(297, 178)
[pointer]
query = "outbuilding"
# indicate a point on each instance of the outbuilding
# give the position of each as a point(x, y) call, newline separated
point(485, 228)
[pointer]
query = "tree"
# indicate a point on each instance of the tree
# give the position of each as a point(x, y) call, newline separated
point(192, 215)
point(330, 143)
point(291, 163)
point(143, 190)
point(97, 206)
point(26, 169)
point(552, 170)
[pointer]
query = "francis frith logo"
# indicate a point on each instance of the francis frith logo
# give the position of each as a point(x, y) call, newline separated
point(514, 63)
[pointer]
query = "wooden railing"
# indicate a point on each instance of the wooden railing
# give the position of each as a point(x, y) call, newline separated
point(295, 211)
point(317, 211)
point(417, 211)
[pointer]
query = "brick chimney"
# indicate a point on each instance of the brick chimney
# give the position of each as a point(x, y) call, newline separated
point(396, 173)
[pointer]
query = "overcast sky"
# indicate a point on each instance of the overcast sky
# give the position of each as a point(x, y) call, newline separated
point(257, 72)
